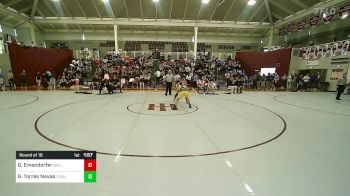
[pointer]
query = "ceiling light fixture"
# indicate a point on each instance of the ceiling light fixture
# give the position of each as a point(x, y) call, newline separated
point(155, 1)
point(251, 2)
point(205, 1)
point(105, 1)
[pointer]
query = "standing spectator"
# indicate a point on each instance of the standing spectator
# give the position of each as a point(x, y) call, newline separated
point(289, 82)
point(274, 83)
point(23, 80)
point(142, 82)
point(258, 85)
point(269, 79)
point(2, 83)
point(38, 79)
point(168, 78)
point(157, 74)
point(313, 81)
point(284, 81)
point(306, 80)
point(341, 86)
point(52, 83)
point(255, 81)
point(11, 80)
point(263, 82)
point(194, 81)
point(317, 80)
point(240, 83)
point(300, 82)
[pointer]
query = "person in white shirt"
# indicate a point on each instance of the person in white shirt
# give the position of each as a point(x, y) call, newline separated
point(157, 74)
point(201, 84)
point(212, 86)
point(106, 76)
point(289, 82)
point(168, 78)
point(306, 80)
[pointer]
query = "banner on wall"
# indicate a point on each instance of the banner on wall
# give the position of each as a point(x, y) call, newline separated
point(314, 20)
point(302, 24)
point(290, 28)
point(328, 16)
point(325, 50)
point(336, 74)
point(282, 31)
point(344, 11)
point(312, 63)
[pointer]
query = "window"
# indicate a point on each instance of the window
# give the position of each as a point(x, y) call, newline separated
point(267, 71)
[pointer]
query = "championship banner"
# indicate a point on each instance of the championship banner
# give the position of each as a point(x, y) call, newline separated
point(329, 16)
point(344, 11)
point(326, 50)
point(314, 20)
point(290, 28)
point(302, 24)
point(282, 31)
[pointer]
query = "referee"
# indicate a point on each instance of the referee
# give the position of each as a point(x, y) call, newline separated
point(168, 78)
point(341, 86)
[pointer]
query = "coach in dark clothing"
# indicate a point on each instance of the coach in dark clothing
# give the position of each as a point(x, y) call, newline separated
point(23, 80)
point(341, 86)
point(102, 84)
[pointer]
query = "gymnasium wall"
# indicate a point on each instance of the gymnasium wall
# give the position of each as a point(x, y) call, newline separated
point(76, 45)
point(5, 65)
point(257, 60)
point(38, 59)
point(298, 64)
point(23, 35)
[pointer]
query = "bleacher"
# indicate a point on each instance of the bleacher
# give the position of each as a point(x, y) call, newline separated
point(156, 46)
point(132, 46)
point(179, 47)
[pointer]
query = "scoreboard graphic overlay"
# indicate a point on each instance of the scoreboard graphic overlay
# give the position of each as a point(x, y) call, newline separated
point(55, 167)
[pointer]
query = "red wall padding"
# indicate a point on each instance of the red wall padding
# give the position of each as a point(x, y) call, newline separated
point(38, 60)
point(252, 61)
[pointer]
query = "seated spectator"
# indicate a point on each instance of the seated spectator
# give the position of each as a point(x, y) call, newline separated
point(232, 85)
point(212, 86)
point(52, 83)
point(202, 85)
point(239, 83)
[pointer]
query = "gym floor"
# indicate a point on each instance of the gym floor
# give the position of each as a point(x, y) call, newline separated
point(255, 143)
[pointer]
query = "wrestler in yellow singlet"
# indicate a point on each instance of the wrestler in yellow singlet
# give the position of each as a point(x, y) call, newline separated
point(183, 92)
